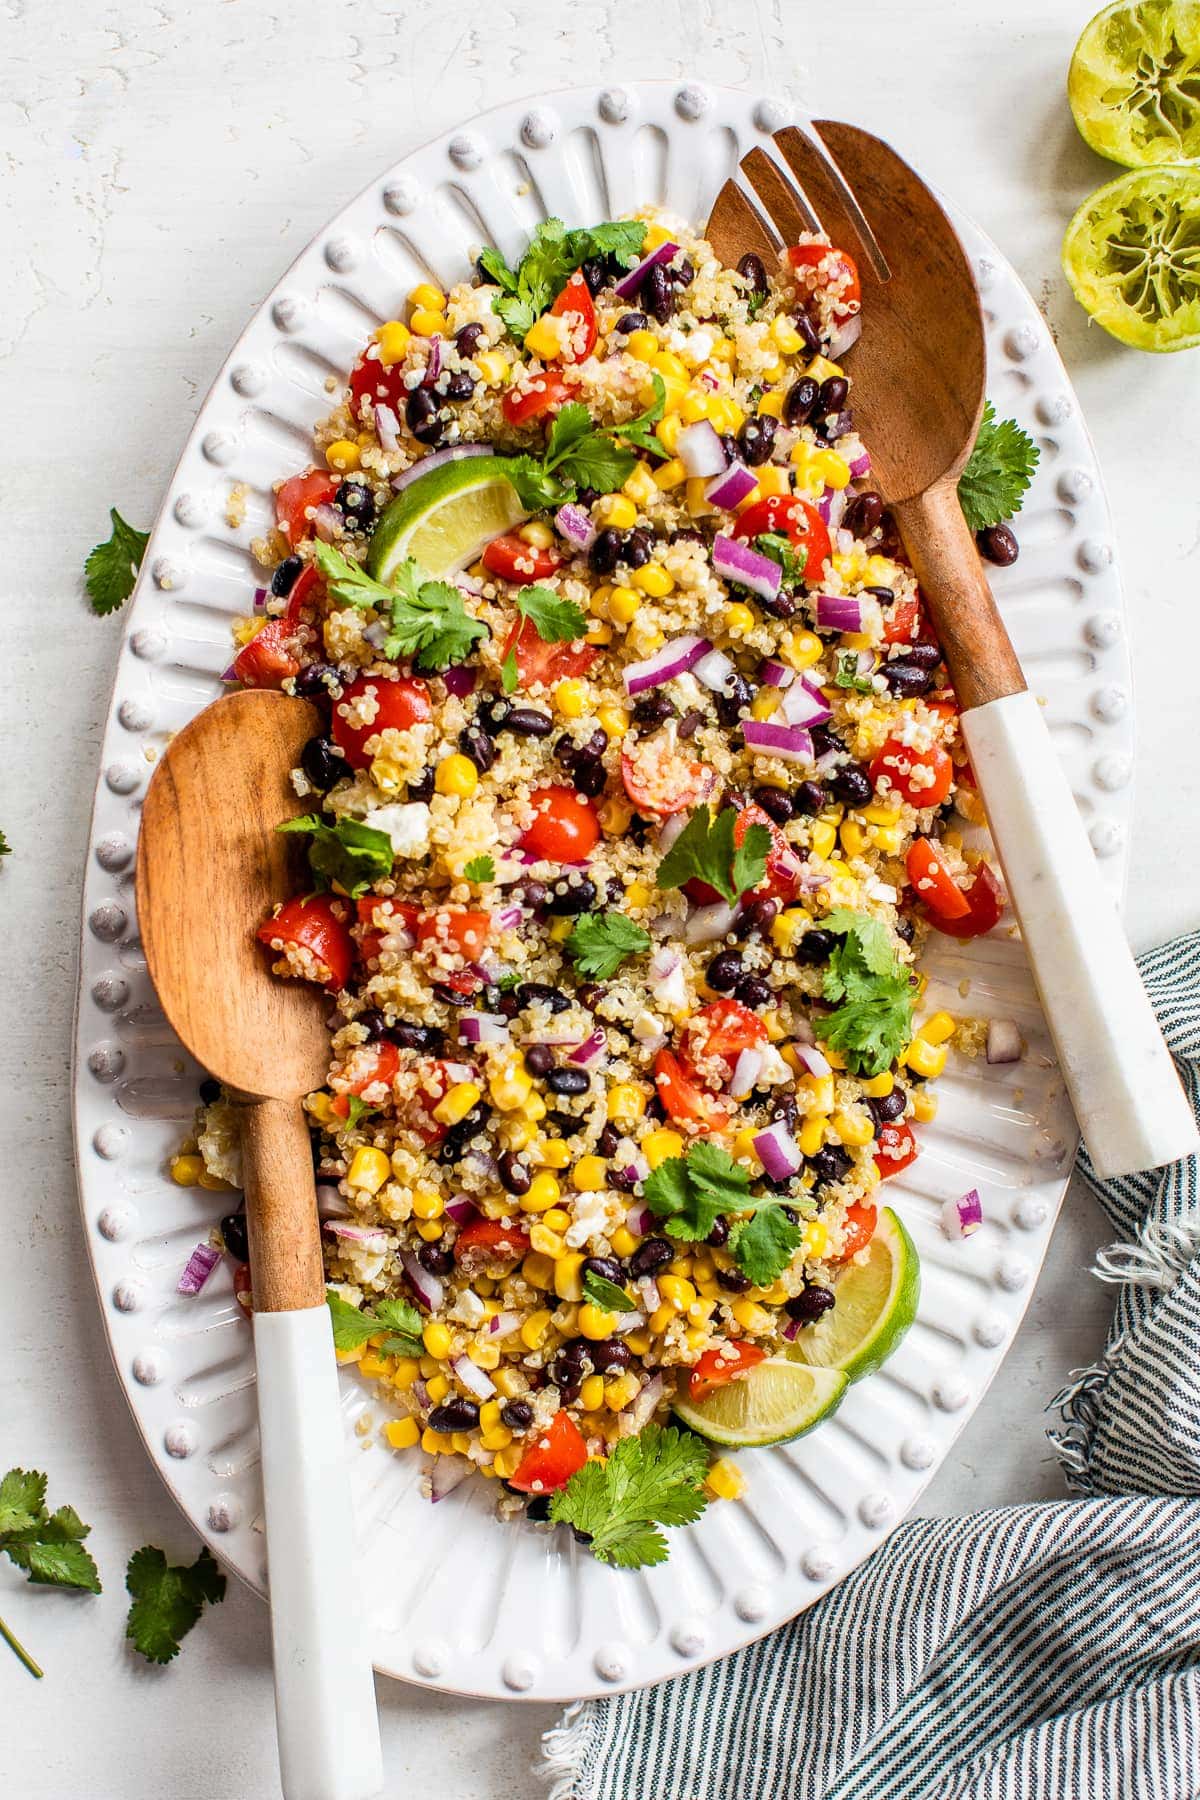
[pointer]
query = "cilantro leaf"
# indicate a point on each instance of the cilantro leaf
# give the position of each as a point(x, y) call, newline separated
point(691, 1192)
point(864, 941)
point(493, 264)
point(509, 674)
point(705, 850)
point(5, 846)
point(655, 1478)
point(352, 1327)
point(111, 568)
point(999, 469)
point(554, 253)
point(404, 1321)
point(764, 1244)
point(621, 239)
point(556, 621)
point(427, 619)
point(357, 1108)
point(480, 868)
point(349, 855)
point(872, 1021)
point(22, 1499)
point(607, 1295)
point(847, 674)
point(536, 488)
point(48, 1546)
point(600, 942)
point(579, 454)
point(167, 1601)
point(781, 550)
point(596, 462)
point(640, 431)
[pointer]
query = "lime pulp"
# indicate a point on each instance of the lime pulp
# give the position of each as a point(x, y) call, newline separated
point(443, 519)
point(1134, 83)
point(1132, 256)
point(875, 1305)
point(775, 1401)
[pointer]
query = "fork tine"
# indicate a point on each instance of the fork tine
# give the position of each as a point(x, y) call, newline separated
point(737, 224)
point(806, 155)
point(777, 194)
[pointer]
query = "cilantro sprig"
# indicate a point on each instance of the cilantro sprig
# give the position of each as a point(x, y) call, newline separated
point(999, 469)
point(580, 454)
point(600, 942)
point(606, 1294)
point(480, 868)
point(871, 994)
point(48, 1546)
point(347, 855)
point(556, 621)
point(426, 619)
point(705, 850)
point(5, 846)
point(166, 1600)
point(691, 1192)
point(352, 1327)
point(112, 567)
point(653, 1479)
point(781, 550)
point(553, 255)
point(847, 674)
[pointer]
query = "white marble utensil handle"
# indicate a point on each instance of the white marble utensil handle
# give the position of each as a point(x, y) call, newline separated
point(1131, 1108)
point(324, 1687)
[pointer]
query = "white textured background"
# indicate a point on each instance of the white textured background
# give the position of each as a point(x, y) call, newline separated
point(162, 163)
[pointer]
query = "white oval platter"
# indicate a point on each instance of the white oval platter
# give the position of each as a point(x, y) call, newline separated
point(455, 1600)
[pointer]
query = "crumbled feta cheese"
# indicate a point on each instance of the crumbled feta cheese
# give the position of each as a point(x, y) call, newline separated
point(407, 825)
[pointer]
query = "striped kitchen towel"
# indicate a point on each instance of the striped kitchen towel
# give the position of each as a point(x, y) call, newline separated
point(1047, 1652)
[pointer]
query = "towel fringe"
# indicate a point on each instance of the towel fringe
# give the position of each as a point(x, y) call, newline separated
point(563, 1749)
point(1079, 1404)
point(1157, 1260)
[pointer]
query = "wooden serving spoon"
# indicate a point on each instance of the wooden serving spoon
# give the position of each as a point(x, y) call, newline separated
point(919, 373)
point(210, 866)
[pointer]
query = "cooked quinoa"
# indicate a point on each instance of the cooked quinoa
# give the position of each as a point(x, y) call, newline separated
point(493, 1114)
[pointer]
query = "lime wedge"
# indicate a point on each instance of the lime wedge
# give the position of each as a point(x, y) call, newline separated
point(776, 1401)
point(444, 519)
point(1132, 255)
point(876, 1304)
point(1134, 84)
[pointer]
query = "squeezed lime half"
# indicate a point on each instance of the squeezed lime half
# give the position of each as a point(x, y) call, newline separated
point(444, 519)
point(1132, 255)
point(775, 1401)
point(875, 1305)
point(1134, 84)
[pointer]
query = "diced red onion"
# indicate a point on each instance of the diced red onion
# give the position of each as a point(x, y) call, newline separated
point(574, 523)
point(433, 364)
point(229, 674)
point(778, 1151)
point(1004, 1041)
point(387, 427)
point(708, 923)
point(483, 1028)
point(730, 487)
point(788, 742)
point(664, 961)
point(452, 453)
point(792, 1329)
point(430, 1291)
point(592, 1046)
point(508, 918)
point(746, 1071)
point(714, 671)
point(961, 1217)
point(481, 1163)
point(648, 1293)
point(504, 1324)
point(459, 681)
point(700, 450)
point(629, 284)
point(327, 522)
point(260, 599)
point(669, 985)
point(675, 658)
point(735, 561)
point(839, 612)
point(474, 1379)
point(670, 829)
point(368, 1237)
point(845, 337)
point(861, 465)
point(420, 1394)
point(460, 1071)
point(646, 1404)
point(801, 706)
point(813, 1060)
point(630, 1321)
point(776, 674)
point(461, 1208)
point(331, 1204)
point(199, 1266)
point(448, 1472)
point(376, 634)
point(832, 506)
point(638, 1219)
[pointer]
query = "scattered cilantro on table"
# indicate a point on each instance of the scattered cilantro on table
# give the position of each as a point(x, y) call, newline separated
point(480, 868)
point(5, 846)
point(653, 1479)
point(348, 854)
point(579, 454)
point(999, 469)
point(553, 255)
point(600, 942)
point(426, 619)
point(871, 994)
point(705, 851)
point(691, 1192)
point(166, 1601)
point(111, 568)
point(353, 1328)
point(48, 1546)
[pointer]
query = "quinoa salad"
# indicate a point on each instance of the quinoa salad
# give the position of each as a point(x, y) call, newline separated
point(637, 787)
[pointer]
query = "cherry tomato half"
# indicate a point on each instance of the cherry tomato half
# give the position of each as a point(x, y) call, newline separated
point(544, 395)
point(513, 559)
point(720, 1031)
point(296, 496)
point(933, 883)
point(575, 305)
point(801, 523)
point(861, 1221)
point(683, 1097)
point(367, 1065)
point(985, 903)
point(922, 777)
point(905, 622)
point(784, 867)
point(837, 269)
point(490, 1241)
point(452, 928)
point(724, 1364)
point(661, 780)
point(267, 661)
point(399, 704)
point(539, 663)
point(565, 828)
point(319, 926)
point(895, 1148)
point(378, 919)
point(369, 380)
point(552, 1457)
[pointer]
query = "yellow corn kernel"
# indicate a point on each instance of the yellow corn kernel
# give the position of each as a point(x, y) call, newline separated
point(614, 720)
point(537, 533)
point(534, 1329)
point(544, 1192)
point(595, 1323)
point(489, 1415)
point(670, 475)
point(430, 1230)
point(624, 1242)
point(849, 564)
point(510, 1085)
point(434, 1443)
point(770, 405)
point(669, 365)
point(615, 816)
point(561, 930)
point(374, 1366)
point(854, 1129)
point(591, 1393)
point(752, 1317)
point(818, 1091)
point(888, 838)
point(557, 1219)
point(428, 1365)
point(342, 455)
point(456, 775)
point(824, 837)
point(625, 1104)
point(772, 480)
point(639, 1341)
point(437, 1387)
point(698, 502)
point(638, 894)
point(924, 1106)
point(427, 323)
point(879, 1086)
point(640, 487)
point(393, 339)
point(457, 1103)
point(738, 619)
point(436, 1339)
point(723, 350)
point(498, 1438)
point(654, 580)
point(405, 1372)
point(568, 1282)
point(926, 1059)
point(677, 1291)
point(589, 1174)
point(428, 1204)
point(402, 1434)
point(492, 367)
point(802, 649)
point(743, 1145)
point(571, 698)
point(642, 344)
point(725, 414)
point(659, 1147)
point(821, 368)
point(620, 1391)
point(369, 1169)
point(938, 1027)
point(615, 509)
point(788, 927)
point(675, 392)
point(854, 838)
point(538, 1270)
point(814, 1241)
point(764, 703)
point(509, 1382)
point(695, 406)
point(507, 1462)
point(785, 335)
point(187, 1170)
point(879, 814)
point(427, 295)
point(548, 1242)
point(517, 1134)
point(623, 605)
point(811, 1135)
point(836, 1060)
point(833, 469)
point(667, 431)
point(484, 1355)
point(725, 1480)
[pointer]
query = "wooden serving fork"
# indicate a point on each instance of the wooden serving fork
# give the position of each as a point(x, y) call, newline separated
point(919, 371)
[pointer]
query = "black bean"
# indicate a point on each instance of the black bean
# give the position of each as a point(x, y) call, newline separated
point(373, 1023)
point(807, 329)
point(571, 897)
point(753, 991)
point(906, 929)
point(884, 595)
point(800, 400)
point(568, 1081)
point(514, 1174)
point(782, 606)
point(756, 440)
point(690, 723)
point(681, 274)
point(906, 679)
point(631, 321)
point(436, 1259)
point(466, 341)
point(421, 415)
point(455, 1414)
point(408, 1036)
point(591, 778)
point(422, 788)
point(527, 721)
point(863, 515)
point(998, 543)
point(775, 802)
point(356, 504)
point(541, 993)
point(607, 1268)
point(656, 294)
point(323, 763)
point(450, 996)
point(833, 393)
point(834, 426)
point(594, 274)
point(539, 1059)
point(210, 1091)
point(852, 786)
point(718, 1237)
point(759, 917)
point(459, 386)
point(606, 1143)
point(753, 270)
point(653, 710)
point(734, 699)
point(650, 1257)
point(312, 683)
point(623, 1179)
point(825, 738)
point(537, 1510)
point(815, 947)
point(635, 552)
point(786, 1112)
point(477, 745)
point(885, 1107)
point(233, 1236)
point(724, 972)
point(733, 1281)
point(285, 575)
point(493, 714)
point(517, 1415)
point(610, 1355)
point(687, 534)
point(808, 798)
point(810, 1304)
point(589, 992)
point(830, 1164)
